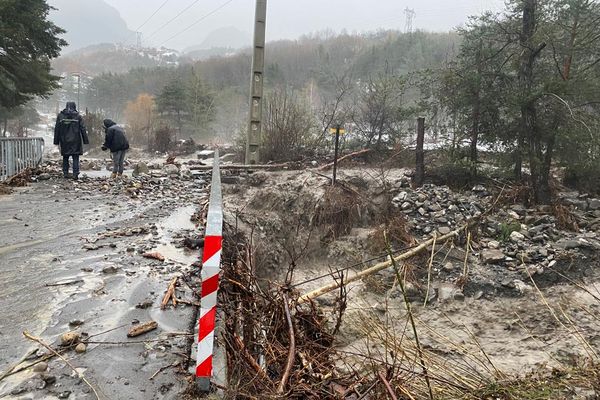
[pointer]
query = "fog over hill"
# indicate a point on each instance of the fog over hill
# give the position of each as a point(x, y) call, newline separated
point(89, 22)
point(228, 37)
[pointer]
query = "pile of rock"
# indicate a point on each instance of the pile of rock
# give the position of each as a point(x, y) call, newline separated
point(522, 241)
point(437, 208)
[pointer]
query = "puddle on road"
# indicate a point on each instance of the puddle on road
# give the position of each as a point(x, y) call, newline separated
point(168, 227)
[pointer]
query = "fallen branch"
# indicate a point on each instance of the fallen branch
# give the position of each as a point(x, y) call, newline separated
point(10, 369)
point(170, 294)
point(161, 369)
point(79, 374)
point(26, 367)
point(240, 167)
point(387, 386)
point(356, 153)
point(142, 328)
point(64, 283)
point(249, 359)
point(378, 267)
point(292, 350)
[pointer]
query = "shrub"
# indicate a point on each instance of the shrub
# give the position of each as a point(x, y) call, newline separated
point(583, 177)
point(507, 228)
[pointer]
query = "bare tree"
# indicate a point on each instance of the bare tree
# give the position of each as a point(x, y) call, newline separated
point(288, 126)
point(332, 110)
point(378, 113)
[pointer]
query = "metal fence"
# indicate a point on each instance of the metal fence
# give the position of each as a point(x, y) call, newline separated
point(18, 154)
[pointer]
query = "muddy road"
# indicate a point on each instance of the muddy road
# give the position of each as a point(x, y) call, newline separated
point(71, 259)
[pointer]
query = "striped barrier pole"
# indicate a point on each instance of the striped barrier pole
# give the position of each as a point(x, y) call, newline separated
point(211, 267)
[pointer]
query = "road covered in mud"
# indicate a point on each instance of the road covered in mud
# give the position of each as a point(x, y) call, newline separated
point(95, 257)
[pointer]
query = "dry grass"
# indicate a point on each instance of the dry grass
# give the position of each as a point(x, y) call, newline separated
point(339, 211)
point(565, 219)
point(5, 190)
point(397, 232)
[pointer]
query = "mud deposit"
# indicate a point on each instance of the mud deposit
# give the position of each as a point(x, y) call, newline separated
point(519, 294)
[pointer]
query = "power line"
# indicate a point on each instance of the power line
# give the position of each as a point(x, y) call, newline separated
point(172, 19)
point(153, 14)
point(136, 32)
point(197, 22)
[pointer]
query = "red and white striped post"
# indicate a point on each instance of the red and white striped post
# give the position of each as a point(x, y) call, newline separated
point(211, 267)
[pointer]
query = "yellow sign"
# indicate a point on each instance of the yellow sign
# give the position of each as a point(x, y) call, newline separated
point(333, 131)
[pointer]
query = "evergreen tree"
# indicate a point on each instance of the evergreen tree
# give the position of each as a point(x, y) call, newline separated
point(27, 43)
point(172, 103)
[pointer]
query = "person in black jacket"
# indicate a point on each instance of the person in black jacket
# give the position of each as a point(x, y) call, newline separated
point(70, 134)
point(117, 143)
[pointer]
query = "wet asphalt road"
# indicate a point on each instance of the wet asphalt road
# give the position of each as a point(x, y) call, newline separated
point(43, 228)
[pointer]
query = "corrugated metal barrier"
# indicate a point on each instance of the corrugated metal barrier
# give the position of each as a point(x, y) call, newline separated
point(18, 154)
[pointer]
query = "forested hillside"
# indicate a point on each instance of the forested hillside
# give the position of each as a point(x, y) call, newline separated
point(312, 70)
point(108, 57)
point(523, 83)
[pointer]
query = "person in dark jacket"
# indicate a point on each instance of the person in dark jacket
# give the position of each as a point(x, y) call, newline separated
point(70, 134)
point(117, 143)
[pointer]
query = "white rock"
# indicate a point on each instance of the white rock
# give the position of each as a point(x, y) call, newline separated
point(493, 244)
point(522, 287)
point(517, 236)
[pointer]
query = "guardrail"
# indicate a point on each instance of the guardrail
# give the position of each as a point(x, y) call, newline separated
point(18, 154)
point(211, 267)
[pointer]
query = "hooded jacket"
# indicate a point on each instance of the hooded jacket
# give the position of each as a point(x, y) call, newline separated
point(114, 139)
point(69, 132)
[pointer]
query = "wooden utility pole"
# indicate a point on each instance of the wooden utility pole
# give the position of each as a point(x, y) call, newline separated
point(419, 176)
point(253, 137)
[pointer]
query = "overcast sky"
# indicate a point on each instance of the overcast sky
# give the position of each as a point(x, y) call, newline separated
point(292, 18)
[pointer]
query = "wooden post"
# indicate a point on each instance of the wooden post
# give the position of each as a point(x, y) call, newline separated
point(335, 158)
point(420, 156)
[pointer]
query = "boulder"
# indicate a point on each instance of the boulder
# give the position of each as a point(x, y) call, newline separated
point(568, 244)
point(493, 244)
point(140, 169)
point(492, 256)
point(111, 269)
point(594, 204)
point(401, 197)
point(444, 230)
point(517, 236)
point(170, 169)
point(448, 267)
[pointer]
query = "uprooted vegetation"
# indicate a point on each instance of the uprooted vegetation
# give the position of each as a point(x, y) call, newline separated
point(504, 309)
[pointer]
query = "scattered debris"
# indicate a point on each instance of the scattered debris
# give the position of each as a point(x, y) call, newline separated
point(170, 295)
point(80, 348)
point(40, 367)
point(140, 329)
point(69, 338)
point(193, 242)
point(65, 283)
point(154, 255)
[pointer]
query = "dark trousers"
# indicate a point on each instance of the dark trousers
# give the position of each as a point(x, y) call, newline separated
point(75, 165)
point(118, 158)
